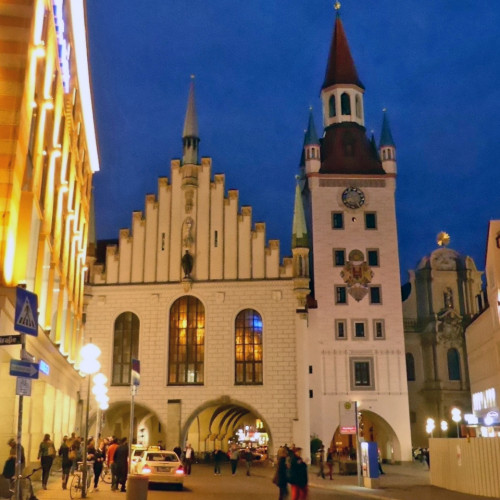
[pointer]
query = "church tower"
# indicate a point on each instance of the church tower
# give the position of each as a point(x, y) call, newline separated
point(355, 319)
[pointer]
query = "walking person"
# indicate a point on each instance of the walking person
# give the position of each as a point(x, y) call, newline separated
point(298, 476)
point(110, 457)
point(99, 457)
point(248, 459)
point(188, 459)
point(121, 461)
point(217, 460)
point(329, 462)
point(234, 456)
point(281, 475)
point(320, 457)
point(66, 462)
point(46, 454)
point(13, 451)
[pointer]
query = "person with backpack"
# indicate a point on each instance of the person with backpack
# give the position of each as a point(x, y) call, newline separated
point(66, 462)
point(46, 454)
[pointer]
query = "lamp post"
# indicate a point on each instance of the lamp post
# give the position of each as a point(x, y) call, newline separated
point(444, 425)
point(100, 390)
point(88, 366)
point(429, 428)
point(456, 416)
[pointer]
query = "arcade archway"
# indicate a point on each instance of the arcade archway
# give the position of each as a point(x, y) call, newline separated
point(218, 423)
point(372, 427)
point(116, 422)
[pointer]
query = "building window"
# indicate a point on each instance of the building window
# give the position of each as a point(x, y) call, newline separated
point(338, 257)
point(359, 329)
point(378, 329)
point(331, 107)
point(375, 295)
point(340, 329)
point(125, 347)
point(310, 369)
point(311, 394)
point(358, 106)
point(362, 374)
point(453, 364)
point(370, 220)
point(186, 342)
point(372, 257)
point(410, 367)
point(338, 220)
point(248, 347)
point(345, 103)
point(340, 295)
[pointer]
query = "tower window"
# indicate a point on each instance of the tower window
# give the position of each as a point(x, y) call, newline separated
point(359, 330)
point(340, 295)
point(331, 107)
point(375, 295)
point(125, 347)
point(358, 106)
point(340, 329)
point(372, 257)
point(248, 348)
point(370, 220)
point(378, 329)
point(362, 374)
point(345, 103)
point(453, 364)
point(337, 220)
point(338, 257)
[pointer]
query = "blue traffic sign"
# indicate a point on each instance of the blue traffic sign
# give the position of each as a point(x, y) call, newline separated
point(23, 369)
point(26, 318)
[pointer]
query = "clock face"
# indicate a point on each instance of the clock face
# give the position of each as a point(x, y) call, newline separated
point(353, 197)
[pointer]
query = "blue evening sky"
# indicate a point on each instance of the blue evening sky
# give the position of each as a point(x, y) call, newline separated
point(259, 65)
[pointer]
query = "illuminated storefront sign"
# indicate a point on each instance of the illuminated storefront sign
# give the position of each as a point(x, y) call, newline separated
point(64, 47)
point(484, 400)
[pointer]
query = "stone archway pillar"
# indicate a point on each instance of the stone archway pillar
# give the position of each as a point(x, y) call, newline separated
point(173, 430)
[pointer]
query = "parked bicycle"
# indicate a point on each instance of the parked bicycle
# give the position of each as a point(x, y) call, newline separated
point(75, 490)
point(106, 473)
point(27, 492)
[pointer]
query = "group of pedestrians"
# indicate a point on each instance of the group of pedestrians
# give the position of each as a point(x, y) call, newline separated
point(291, 470)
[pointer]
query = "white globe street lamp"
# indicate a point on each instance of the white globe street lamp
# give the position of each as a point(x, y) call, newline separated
point(456, 416)
point(430, 425)
point(444, 425)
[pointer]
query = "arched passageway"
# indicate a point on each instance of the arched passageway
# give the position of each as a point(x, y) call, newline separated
point(372, 427)
point(219, 423)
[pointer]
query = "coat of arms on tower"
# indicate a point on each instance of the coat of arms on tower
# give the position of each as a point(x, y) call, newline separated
point(356, 275)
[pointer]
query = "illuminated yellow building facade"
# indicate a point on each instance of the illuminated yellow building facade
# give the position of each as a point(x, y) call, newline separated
point(48, 154)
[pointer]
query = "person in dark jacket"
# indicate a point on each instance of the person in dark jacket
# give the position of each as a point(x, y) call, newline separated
point(281, 475)
point(218, 457)
point(298, 476)
point(66, 462)
point(248, 459)
point(121, 463)
point(99, 457)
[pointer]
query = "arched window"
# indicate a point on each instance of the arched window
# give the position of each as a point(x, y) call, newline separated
point(358, 106)
point(410, 367)
point(248, 348)
point(331, 106)
point(345, 103)
point(125, 347)
point(186, 342)
point(453, 364)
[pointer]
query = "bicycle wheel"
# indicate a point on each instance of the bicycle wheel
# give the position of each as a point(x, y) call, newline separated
point(75, 490)
point(106, 475)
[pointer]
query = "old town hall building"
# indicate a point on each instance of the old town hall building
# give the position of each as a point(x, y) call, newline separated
point(233, 342)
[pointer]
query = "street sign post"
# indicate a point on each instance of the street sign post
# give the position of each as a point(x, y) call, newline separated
point(26, 318)
point(23, 386)
point(10, 339)
point(23, 369)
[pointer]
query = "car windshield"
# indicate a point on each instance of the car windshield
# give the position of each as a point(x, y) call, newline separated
point(161, 457)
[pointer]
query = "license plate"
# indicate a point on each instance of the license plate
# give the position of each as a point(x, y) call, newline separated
point(163, 469)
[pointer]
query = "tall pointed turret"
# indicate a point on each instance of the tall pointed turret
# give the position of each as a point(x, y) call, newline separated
point(387, 147)
point(311, 147)
point(300, 251)
point(190, 138)
point(345, 147)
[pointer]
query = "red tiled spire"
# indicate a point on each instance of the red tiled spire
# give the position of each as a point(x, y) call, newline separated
point(340, 67)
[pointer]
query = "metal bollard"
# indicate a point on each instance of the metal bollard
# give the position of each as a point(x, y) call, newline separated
point(137, 487)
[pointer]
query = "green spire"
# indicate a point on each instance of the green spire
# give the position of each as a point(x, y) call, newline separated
point(300, 238)
point(190, 138)
point(311, 136)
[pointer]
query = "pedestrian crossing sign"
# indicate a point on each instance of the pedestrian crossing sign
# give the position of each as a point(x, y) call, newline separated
point(26, 318)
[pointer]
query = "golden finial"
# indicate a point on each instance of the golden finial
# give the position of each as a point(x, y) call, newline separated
point(192, 77)
point(310, 108)
point(337, 5)
point(443, 239)
point(384, 109)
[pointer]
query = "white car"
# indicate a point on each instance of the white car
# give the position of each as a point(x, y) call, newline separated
point(137, 451)
point(161, 466)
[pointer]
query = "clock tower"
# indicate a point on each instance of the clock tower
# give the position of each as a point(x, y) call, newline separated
point(356, 331)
